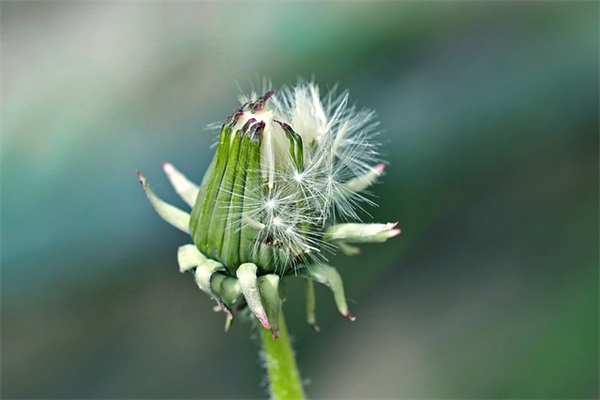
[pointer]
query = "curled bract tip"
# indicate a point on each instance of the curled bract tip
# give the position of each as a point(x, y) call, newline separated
point(167, 167)
point(350, 317)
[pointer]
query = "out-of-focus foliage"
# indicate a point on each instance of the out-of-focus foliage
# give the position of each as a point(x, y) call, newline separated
point(490, 113)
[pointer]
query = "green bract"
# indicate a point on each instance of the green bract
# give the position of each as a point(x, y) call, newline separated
point(287, 168)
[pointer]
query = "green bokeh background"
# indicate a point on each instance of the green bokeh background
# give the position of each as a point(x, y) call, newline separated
point(490, 117)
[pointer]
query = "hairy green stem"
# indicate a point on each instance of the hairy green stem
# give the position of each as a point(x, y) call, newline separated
point(280, 362)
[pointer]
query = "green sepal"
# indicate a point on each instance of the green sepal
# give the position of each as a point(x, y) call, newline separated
point(220, 211)
point(204, 272)
point(295, 149)
point(248, 281)
point(269, 291)
point(209, 189)
point(249, 232)
point(171, 214)
point(229, 290)
point(266, 258)
point(215, 283)
point(311, 315)
point(328, 276)
point(230, 254)
point(361, 233)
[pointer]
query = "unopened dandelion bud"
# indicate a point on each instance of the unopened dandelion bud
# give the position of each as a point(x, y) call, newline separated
point(284, 188)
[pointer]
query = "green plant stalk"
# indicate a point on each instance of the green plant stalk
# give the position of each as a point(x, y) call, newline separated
point(280, 362)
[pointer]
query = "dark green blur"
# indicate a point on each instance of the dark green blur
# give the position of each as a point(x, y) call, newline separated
point(490, 124)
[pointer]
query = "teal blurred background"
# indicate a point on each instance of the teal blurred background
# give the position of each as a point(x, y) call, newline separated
point(490, 112)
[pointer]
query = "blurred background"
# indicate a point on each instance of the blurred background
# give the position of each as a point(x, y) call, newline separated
point(490, 118)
